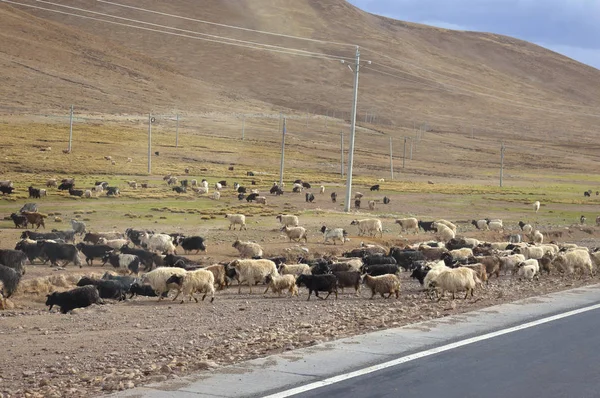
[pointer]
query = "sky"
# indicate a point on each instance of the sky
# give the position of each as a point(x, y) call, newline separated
point(569, 27)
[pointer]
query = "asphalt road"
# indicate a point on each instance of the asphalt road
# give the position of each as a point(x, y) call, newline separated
point(556, 359)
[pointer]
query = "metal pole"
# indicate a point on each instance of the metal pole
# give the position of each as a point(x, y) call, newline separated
point(177, 131)
point(282, 154)
point(342, 154)
point(149, 143)
point(501, 163)
point(243, 126)
point(404, 155)
point(391, 160)
point(71, 129)
point(352, 133)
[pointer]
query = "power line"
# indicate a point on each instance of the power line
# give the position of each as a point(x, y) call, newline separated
point(500, 99)
point(408, 80)
point(225, 25)
point(182, 30)
point(290, 52)
point(469, 83)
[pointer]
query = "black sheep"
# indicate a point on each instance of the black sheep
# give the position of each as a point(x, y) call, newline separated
point(380, 269)
point(31, 250)
point(93, 251)
point(67, 236)
point(310, 197)
point(306, 185)
point(34, 193)
point(241, 190)
point(141, 290)
point(134, 235)
point(348, 279)
point(60, 251)
point(9, 279)
point(223, 183)
point(171, 260)
point(375, 187)
point(14, 259)
point(386, 200)
point(333, 197)
point(319, 283)
point(241, 196)
point(179, 189)
point(378, 259)
point(357, 203)
point(427, 226)
point(66, 186)
point(39, 235)
point(19, 220)
point(76, 298)
point(125, 261)
point(75, 192)
point(420, 273)
point(112, 191)
point(6, 190)
point(406, 258)
point(124, 280)
point(192, 243)
point(145, 256)
point(106, 289)
point(273, 189)
point(251, 197)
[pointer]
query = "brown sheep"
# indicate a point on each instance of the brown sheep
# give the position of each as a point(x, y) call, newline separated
point(35, 218)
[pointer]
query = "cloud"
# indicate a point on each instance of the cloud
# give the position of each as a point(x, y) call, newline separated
point(568, 26)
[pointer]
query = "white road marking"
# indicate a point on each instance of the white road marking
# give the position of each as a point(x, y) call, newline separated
point(426, 353)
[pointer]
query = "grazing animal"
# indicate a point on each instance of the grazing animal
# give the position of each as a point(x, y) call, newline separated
point(93, 251)
point(357, 203)
point(250, 197)
point(370, 226)
point(278, 284)
point(295, 233)
point(334, 234)
point(76, 192)
point(253, 271)
point(582, 220)
point(321, 189)
point(319, 283)
point(192, 243)
point(34, 218)
point(158, 280)
point(200, 280)
point(248, 249)
point(455, 280)
point(382, 284)
point(78, 227)
point(408, 224)
point(309, 197)
point(19, 220)
point(34, 192)
point(236, 219)
point(9, 281)
point(124, 261)
point(375, 187)
point(333, 197)
point(60, 251)
point(386, 200)
point(536, 206)
point(76, 298)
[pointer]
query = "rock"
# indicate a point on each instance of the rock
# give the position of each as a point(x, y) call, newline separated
point(28, 373)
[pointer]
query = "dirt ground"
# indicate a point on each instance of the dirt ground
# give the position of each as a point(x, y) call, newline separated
point(101, 349)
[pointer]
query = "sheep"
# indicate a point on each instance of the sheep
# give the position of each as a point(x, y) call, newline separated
point(508, 263)
point(129, 160)
point(51, 183)
point(436, 269)
point(371, 205)
point(333, 234)
point(277, 284)
point(297, 188)
point(79, 227)
point(141, 290)
point(455, 280)
point(530, 252)
point(107, 289)
point(309, 197)
point(447, 223)
point(252, 271)
point(432, 253)
point(93, 251)
point(34, 192)
point(114, 243)
point(108, 157)
point(60, 251)
point(191, 243)
point(294, 269)
point(380, 269)
point(321, 189)
point(582, 220)
point(319, 283)
point(97, 189)
point(348, 279)
point(216, 195)
point(537, 237)
point(374, 187)
point(461, 254)
point(235, 219)
point(35, 218)
point(334, 198)
point(295, 233)
point(480, 224)
point(527, 269)
point(19, 220)
point(130, 262)
point(445, 233)
point(408, 223)
point(202, 191)
point(199, 280)
point(358, 195)
point(382, 284)
point(158, 279)
point(79, 297)
point(248, 249)
point(428, 226)
point(219, 274)
point(261, 200)
point(369, 226)
point(480, 271)
point(158, 242)
point(575, 260)
point(597, 220)
point(386, 200)
point(172, 181)
point(288, 220)
point(9, 281)
point(492, 265)
point(536, 205)
point(357, 204)
point(495, 226)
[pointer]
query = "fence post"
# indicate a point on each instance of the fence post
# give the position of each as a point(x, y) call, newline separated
point(71, 129)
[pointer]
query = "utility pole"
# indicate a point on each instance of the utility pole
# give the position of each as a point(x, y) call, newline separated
point(177, 130)
point(501, 163)
point(282, 154)
point(71, 129)
point(391, 160)
point(352, 133)
point(342, 154)
point(243, 126)
point(404, 155)
point(149, 143)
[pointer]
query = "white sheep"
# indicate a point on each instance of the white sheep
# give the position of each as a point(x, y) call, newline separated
point(333, 234)
point(448, 224)
point(218, 186)
point(158, 242)
point(382, 284)
point(157, 278)
point(98, 189)
point(370, 226)
point(536, 205)
point(527, 269)
point(194, 183)
point(278, 284)
point(236, 219)
point(87, 193)
point(358, 195)
point(472, 242)
point(322, 190)
point(537, 237)
point(499, 245)
point(51, 183)
point(43, 192)
point(435, 269)
point(530, 252)
point(288, 220)
point(527, 228)
point(114, 243)
point(200, 280)
point(575, 260)
point(113, 162)
point(455, 280)
point(204, 184)
point(297, 187)
point(108, 157)
point(294, 269)
point(201, 190)
point(495, 226)
point(481, 224)
point(408, 223)
point(444, 232)
point(216, 195)
point(248, 249)
point(295, 233)
point(508, 263)
point(132, 184)
point(261, 200)
point(550, 247)
point(253, 271)
point(129, 160)
point(462, 254)
point(371, 205)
